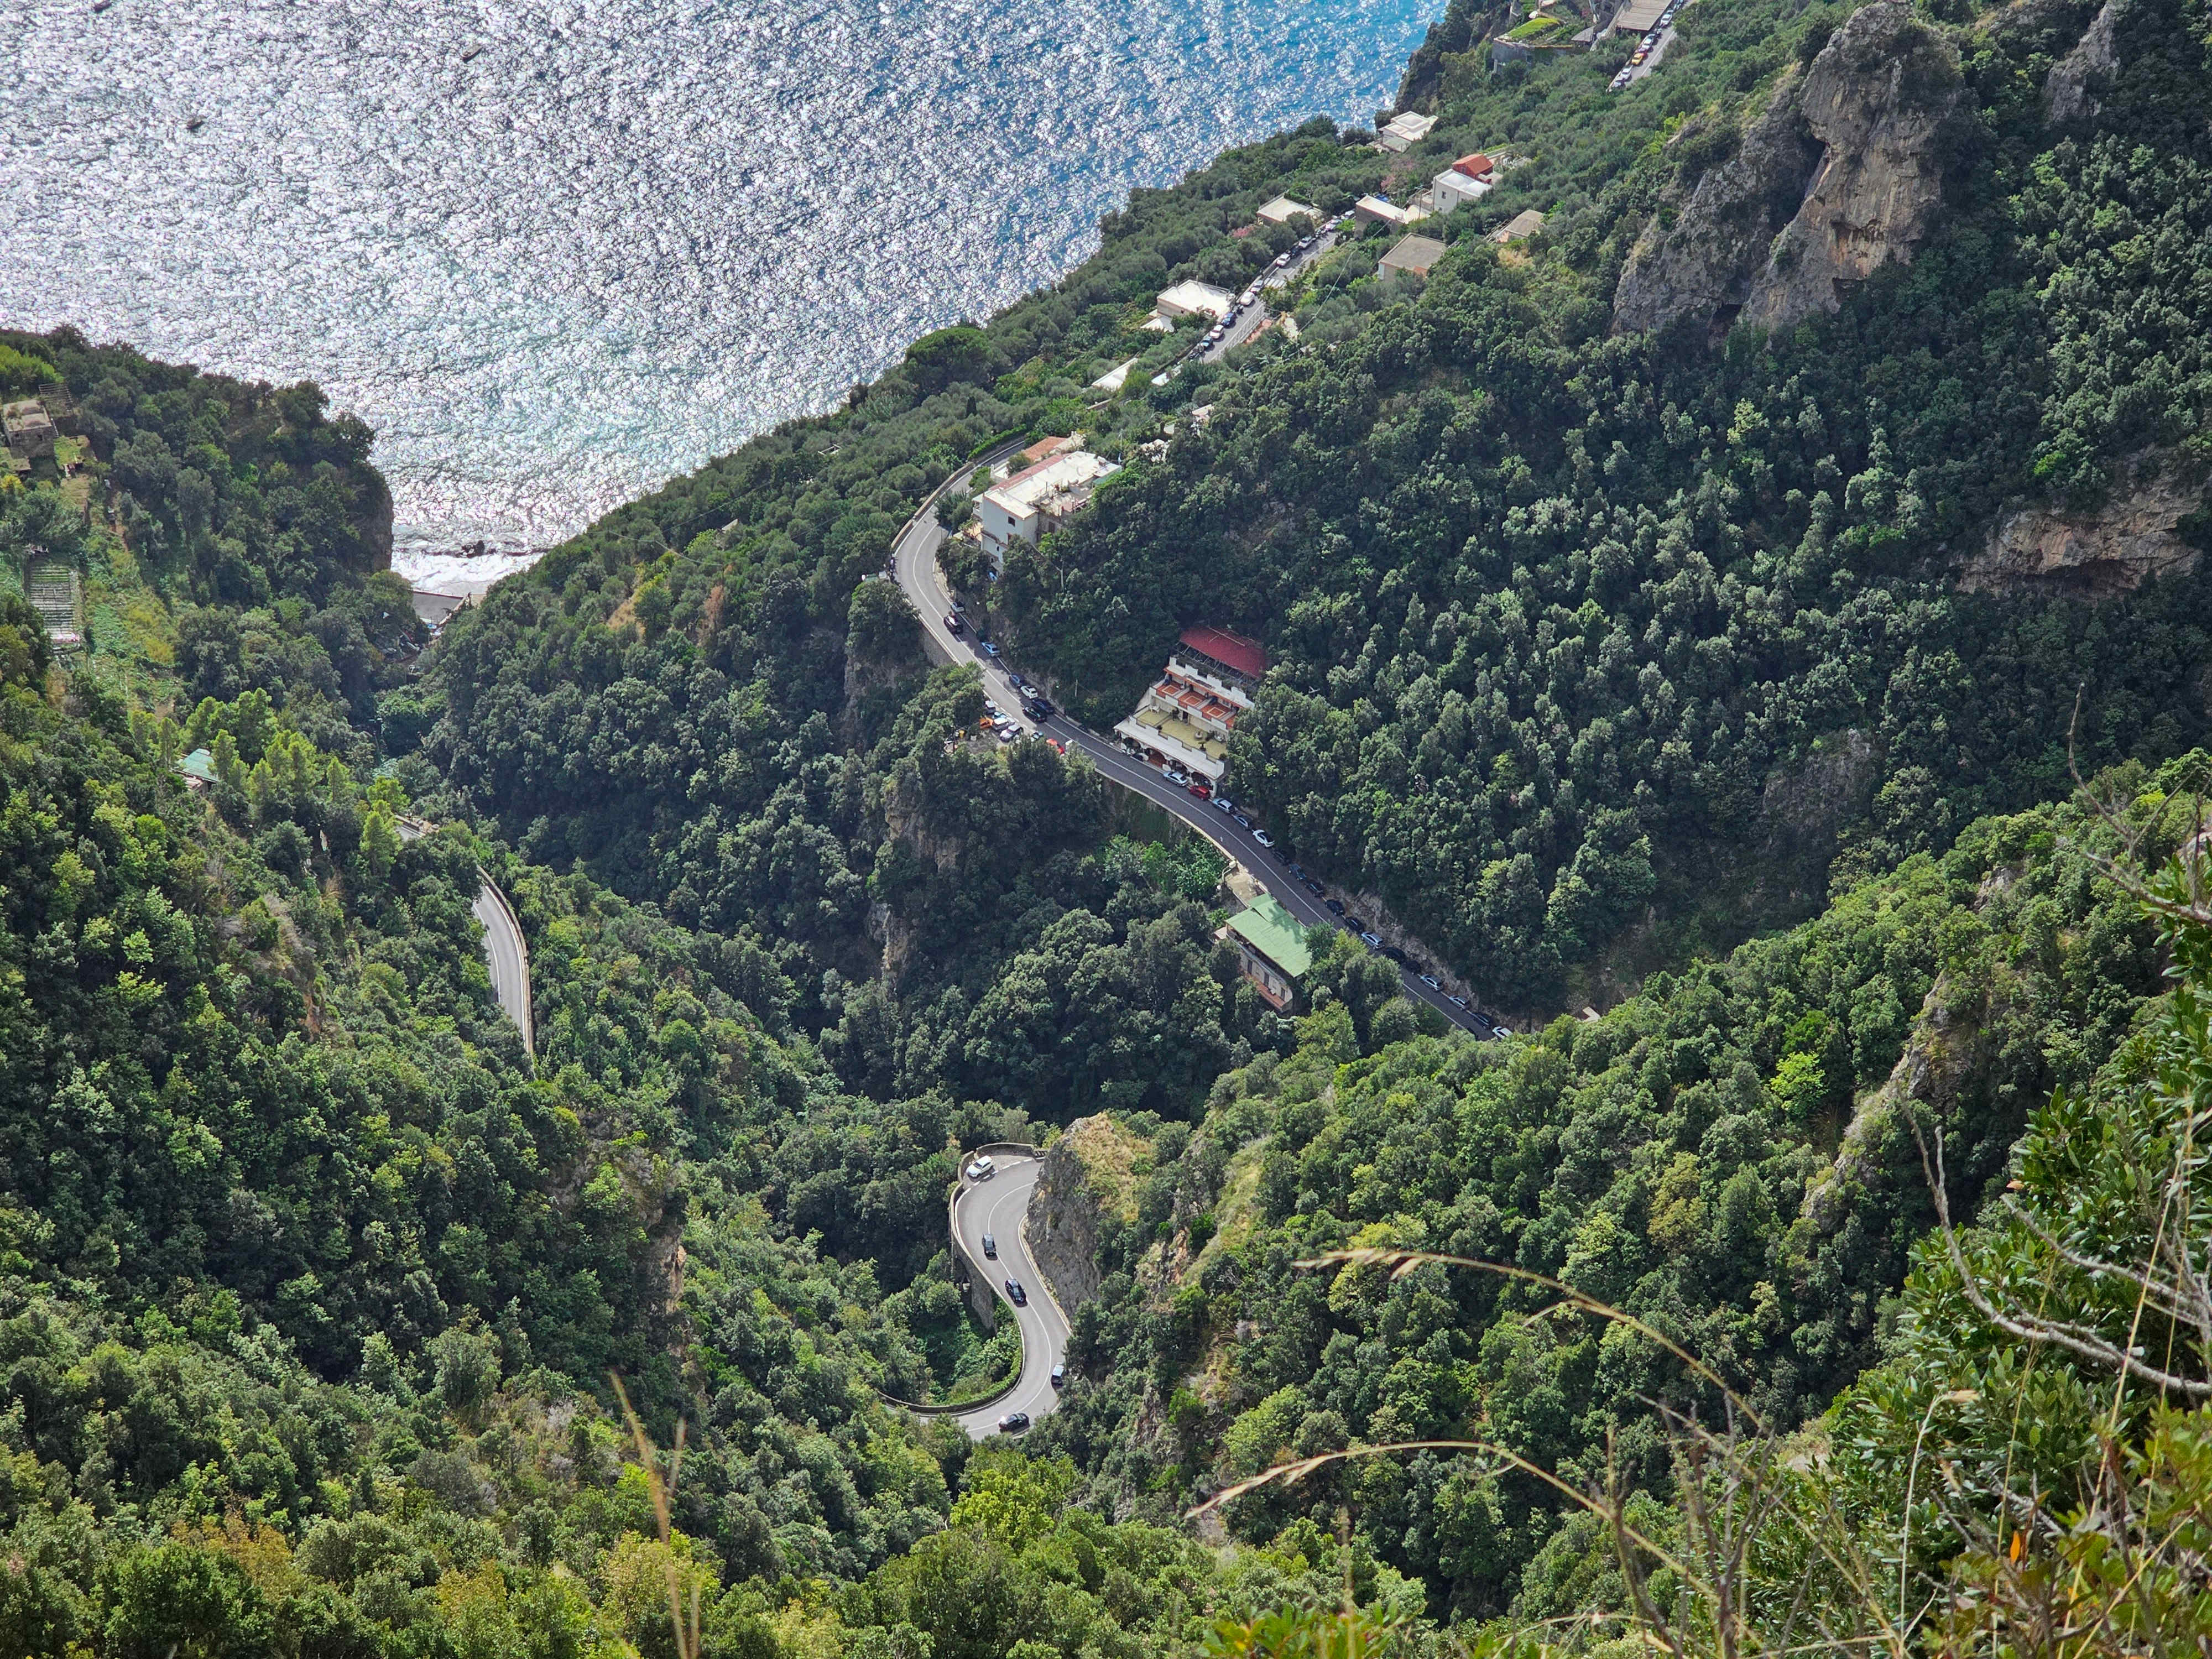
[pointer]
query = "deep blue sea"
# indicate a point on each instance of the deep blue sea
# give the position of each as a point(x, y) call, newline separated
point(555, 252)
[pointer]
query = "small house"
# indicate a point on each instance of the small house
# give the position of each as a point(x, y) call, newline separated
point(1520, 227)
point(1283, 209)
point(30, 429)
point(1402, 131)
point(1192, 299)
point(1415, 256)
point(1271, 949)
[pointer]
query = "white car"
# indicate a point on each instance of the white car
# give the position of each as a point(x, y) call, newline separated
point(981, 1169)
point(1263, 838)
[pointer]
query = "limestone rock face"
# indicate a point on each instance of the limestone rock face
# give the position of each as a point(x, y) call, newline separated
point(2133, 537)
point(1842, 174)
point(1062, 1225)
point(2069, 91)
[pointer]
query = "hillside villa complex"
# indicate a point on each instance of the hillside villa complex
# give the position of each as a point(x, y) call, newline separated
point(1187, 716)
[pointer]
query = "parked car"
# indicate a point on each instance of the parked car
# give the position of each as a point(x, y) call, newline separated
point(1430, 981)
point(1336, 907)
point(1456, 1002)
point(1018, 1296)
point(991, 647)
point(1394, 954)
point(953, 624)
point(990, 1246)
point(1241, 822)
point(1013, 1422)
point(1263, 838)
point(982, 1168)
point(1225, 803)
point(1370, 940)
point(1201, 787)
point(1174, 774)
point(1297, 871)
point(1038, 708)
point(1281, 259)
point(1357, 924)
point(1639, 57)
point(1315, 887)
point(1059, 1376)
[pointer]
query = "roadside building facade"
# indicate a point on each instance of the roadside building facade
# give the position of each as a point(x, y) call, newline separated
point(1037, 501)
point(1185, 718)
point(1271, 949)
point(1283, 209)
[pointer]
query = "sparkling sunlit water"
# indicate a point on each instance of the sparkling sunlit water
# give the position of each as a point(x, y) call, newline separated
point(623, 234)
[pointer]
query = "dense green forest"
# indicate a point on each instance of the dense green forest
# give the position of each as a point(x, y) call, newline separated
point(1666, 669)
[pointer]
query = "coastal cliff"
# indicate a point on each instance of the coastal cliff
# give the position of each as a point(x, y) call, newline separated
point(1841, 175)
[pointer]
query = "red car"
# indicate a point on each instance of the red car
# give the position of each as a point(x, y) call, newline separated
point(1202, 789)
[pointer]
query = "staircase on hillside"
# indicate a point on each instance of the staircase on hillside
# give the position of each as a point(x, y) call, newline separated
point(55, 592)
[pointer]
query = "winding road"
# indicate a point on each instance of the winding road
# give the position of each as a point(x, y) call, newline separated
point(508, 958)
point(914, 562)
point(996, 1207)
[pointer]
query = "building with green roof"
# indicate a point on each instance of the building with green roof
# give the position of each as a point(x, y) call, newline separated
point(1272, 949)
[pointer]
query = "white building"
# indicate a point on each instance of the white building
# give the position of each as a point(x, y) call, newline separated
point(1466, 180)
point(1037, 501)
point(1191, 299)
point(1405, 130)
point(1283, 209)
point(1184, 720)
point(1388, 213)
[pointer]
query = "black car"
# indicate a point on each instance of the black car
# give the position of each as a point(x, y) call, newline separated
point(1013, 1422)
point(1315, 887)
point(1394, 954)
point(953, 624)
point(1357, 924)
point(1335, 906)
point(1038, 709)
point(1021, 1298)
point(990, 1245)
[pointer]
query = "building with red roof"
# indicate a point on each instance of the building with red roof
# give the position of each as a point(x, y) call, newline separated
point(1218, 647)
point(1185, 718)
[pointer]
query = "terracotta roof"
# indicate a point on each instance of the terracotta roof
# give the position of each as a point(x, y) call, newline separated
point(1477, 166)
point(1231, 650)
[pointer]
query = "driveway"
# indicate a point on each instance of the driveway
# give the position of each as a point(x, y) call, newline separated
point(996, 1207)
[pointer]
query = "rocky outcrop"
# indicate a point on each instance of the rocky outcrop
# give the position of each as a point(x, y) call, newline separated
point(1841, 175)
point(2115, 549)
point(2069, 91)
point(1087, 1176)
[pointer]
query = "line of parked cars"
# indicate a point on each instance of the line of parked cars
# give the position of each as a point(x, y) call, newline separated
point(1250, 296)
point(1647, 45)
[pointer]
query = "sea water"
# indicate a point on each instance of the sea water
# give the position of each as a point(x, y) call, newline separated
point(557, 253)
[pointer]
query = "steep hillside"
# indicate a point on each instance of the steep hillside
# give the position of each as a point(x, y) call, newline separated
point(1726, 1156)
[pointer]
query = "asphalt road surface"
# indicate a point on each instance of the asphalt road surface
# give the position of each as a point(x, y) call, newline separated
point(506, 954)
point(914, 561)
point(996, 1207)
point(1257, 314)
point(508, 958)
